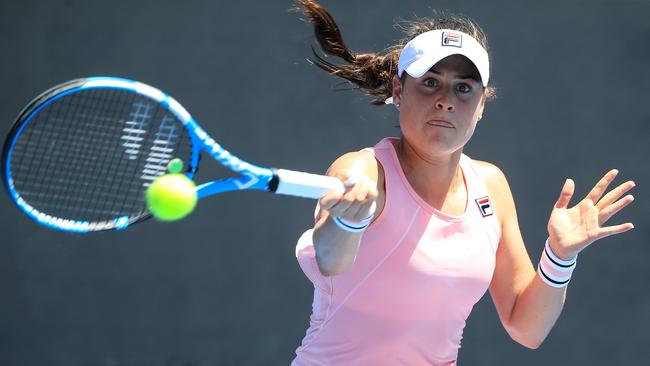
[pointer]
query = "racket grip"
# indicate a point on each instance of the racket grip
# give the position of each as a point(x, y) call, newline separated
point(302, 184)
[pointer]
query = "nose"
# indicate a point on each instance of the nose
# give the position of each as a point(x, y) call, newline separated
point(445, 104)
point(444, 101)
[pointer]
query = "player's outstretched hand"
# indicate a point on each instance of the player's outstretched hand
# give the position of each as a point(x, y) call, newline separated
point(571, 229)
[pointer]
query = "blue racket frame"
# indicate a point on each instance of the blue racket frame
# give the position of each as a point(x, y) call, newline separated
point(251, 177)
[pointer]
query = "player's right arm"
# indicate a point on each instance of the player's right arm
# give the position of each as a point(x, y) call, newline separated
point(335, 247)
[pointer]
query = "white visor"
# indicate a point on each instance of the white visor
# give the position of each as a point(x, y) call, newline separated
point(425, 50)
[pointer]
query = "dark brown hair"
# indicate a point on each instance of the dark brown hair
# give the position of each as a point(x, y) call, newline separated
point(372, 73)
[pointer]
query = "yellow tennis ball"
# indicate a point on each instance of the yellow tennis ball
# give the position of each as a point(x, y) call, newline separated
point(171, 197)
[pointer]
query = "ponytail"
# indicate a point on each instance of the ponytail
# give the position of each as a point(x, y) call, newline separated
point(371, 73)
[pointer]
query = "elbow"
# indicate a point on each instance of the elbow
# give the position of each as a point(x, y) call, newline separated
point(329, 271)
point(334, 257)
point(329, 266)
point(528, 340)
point(530, 343)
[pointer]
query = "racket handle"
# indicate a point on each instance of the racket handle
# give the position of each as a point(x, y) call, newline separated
point(301, 184)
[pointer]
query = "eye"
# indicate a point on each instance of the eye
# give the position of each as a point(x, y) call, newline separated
point(430, 82)
point(463, 88)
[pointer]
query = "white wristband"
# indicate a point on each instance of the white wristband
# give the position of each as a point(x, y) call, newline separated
point(352, 226)
point(356, 226)
point(554, 271)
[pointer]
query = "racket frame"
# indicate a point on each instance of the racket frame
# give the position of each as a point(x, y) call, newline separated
point(252, 177)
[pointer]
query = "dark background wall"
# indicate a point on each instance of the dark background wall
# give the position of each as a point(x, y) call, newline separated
point(222, 287)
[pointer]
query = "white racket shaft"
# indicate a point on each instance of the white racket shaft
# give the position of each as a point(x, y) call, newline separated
point(307, 185)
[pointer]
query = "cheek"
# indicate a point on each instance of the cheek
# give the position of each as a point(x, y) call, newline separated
point(409, 116)
point(474, 110)
point(472, 117)
point(470, 131)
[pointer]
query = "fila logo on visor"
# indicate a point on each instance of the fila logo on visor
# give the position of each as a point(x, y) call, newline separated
point(484, 206)
point(452, 39)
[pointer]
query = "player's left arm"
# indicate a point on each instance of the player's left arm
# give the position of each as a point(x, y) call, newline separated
point(528, 307)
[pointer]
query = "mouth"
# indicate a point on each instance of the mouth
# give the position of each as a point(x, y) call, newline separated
point(440, 123)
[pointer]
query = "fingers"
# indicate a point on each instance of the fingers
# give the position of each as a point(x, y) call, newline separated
point(611, 210)
point(355, 203)
point(616, 229)
point(599, 189)
point(565, 194)
point(611, 203)
point(615, 194)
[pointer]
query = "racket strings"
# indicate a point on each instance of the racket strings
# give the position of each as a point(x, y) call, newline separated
point(108, 170)
point(141, 114)
point(78, 192)
point(41, 155)
point(73, 175)
point(82, 166)
point(50, 125)
point(84, 155)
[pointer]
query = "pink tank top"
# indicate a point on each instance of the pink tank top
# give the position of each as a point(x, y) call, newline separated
point(416, 277)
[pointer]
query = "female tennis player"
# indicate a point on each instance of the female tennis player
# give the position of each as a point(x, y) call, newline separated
point(399, 259)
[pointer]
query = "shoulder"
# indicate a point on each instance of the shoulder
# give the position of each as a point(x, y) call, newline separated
point(491, 174)
point(361, 156)
point(362, 162)
point(497, 185)
point(366, 160)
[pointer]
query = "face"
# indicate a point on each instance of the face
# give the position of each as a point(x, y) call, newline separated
point(439, 110)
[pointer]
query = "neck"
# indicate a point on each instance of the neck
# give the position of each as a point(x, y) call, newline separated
point(435, 178)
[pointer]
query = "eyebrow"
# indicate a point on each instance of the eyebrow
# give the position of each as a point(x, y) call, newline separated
point(468, 76)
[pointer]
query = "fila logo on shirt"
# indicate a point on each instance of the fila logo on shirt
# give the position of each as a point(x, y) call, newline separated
point(452, 39)
point(485, 206)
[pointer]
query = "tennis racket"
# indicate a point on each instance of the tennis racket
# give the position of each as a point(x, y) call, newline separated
point(81, 155)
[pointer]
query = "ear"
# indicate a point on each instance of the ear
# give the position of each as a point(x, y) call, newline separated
point(397, 90)
point(481, 107)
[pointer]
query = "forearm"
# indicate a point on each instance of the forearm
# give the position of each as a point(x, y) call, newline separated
point(535, 311)
point(529, 304)
point(335, 248)
point(343, 217)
